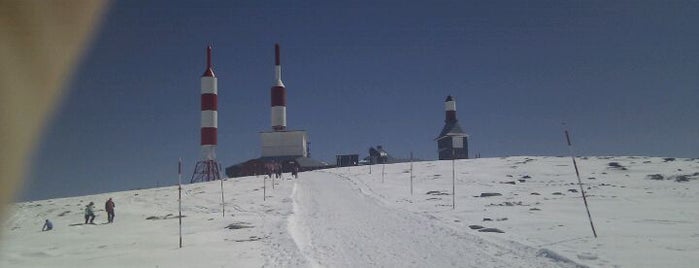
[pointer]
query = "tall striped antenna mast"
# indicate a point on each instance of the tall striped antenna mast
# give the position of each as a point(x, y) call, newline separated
point(207, 168)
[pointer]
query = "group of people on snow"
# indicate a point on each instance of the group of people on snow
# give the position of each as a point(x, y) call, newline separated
point(90, 211)
point(89, 214)
point(275, 169)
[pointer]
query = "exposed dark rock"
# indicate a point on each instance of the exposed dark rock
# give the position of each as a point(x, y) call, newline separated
point(526, 177)
point(508, 182)
point(534, 209)
point(535, 193)
point(669, 159)
point(591, 178)
point(616, 165)
point(490, 194)
point(557, 193)
point(475, 227)
point(491, 230)
point(487, 219)
point(682, 178)
point(437, 193)
point(521, 180)
point(239, 225)
point(572, 190)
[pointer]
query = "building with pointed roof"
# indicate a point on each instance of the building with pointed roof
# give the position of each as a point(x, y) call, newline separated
point(452, 142)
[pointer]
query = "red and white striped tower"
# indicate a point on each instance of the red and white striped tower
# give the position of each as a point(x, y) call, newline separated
point(207, 169)
point(450, 108)
point(278, 95)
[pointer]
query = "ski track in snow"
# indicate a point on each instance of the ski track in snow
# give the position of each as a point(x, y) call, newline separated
point(344, 227)
point(299, 232)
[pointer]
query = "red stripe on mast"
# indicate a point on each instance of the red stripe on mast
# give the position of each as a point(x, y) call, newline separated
point(209, 101)
point(278, 96)
point(208, 136)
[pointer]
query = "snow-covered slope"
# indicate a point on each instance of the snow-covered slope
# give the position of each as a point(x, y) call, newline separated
point(347, 217)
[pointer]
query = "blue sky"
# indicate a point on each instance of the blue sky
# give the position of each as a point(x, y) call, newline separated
point(622, 74)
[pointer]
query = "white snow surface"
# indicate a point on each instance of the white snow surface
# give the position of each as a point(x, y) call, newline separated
point(347, 217)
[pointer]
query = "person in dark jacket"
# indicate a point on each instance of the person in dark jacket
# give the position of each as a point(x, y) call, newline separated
point(48, 226)
point(109, 207)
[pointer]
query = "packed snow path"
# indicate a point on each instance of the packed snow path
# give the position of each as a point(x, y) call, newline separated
point(335, 224)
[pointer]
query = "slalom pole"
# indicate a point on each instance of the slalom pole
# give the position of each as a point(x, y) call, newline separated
point(179, 198)
point(383, 167)
point(223, 203)
point(264, 188)
point(411, 173)
point(453, 180)
point(577, 173)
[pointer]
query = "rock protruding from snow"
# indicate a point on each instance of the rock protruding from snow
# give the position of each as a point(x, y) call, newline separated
point(239, 225)
point(437, 193)
point(656, 177)
point(491, 230)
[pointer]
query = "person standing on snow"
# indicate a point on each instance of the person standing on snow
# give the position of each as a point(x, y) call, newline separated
point(295, 172)
point(90, 213)
point(47, 226)
point(109, 207)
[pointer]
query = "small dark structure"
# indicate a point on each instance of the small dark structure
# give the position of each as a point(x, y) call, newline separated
point(346, 160)
point(452, 142)
point(379, 155)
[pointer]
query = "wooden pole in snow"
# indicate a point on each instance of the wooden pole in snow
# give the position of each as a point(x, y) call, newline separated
point(383, 167)
point(411, 173)
point(453, 180)
point(582, 191)
point(223, 203)
point(264, 188)
point(179, 198)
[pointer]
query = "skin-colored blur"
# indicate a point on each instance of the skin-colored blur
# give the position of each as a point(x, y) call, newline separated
point(41, 43)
